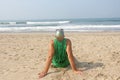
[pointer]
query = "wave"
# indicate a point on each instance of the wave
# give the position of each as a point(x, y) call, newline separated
point(79, 28)
point(35, 23)
point(5, 23)
point(51, 22)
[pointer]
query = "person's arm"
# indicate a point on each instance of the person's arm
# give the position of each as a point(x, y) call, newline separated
point(71, 57)
point(48, 60)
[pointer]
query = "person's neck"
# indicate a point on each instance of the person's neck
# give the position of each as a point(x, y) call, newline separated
point(61, 40)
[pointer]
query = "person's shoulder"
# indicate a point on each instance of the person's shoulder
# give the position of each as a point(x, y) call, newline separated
point(52, 42)
point(68, 41)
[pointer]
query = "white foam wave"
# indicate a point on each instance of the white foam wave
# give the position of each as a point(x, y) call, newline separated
point(12, 23)
point(66, 28)
point(100, 26)
point(52, 22)
point(35, 23)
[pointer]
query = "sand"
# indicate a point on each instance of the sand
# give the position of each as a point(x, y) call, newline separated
point(23, 55)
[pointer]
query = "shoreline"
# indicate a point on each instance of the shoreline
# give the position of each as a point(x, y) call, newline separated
point(65, 32)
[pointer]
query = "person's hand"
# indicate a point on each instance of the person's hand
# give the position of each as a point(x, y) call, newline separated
point(42, 74)
point(78, 72)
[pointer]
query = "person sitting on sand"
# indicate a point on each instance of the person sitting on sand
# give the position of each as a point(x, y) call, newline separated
point(60, 54)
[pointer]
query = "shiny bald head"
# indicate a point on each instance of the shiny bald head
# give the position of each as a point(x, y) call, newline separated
point(59, 34)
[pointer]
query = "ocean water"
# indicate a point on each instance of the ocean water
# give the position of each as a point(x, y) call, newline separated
point(77, 25)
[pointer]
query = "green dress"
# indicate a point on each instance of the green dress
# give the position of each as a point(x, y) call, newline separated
point(60, 58)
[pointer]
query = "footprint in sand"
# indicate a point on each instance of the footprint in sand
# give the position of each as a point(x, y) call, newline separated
point(115, 56)
point(118, 78)
point(100, 76)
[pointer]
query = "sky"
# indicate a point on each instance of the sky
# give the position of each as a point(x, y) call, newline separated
point(58, 9)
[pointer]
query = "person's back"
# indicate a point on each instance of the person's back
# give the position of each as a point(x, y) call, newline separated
point(60, 58)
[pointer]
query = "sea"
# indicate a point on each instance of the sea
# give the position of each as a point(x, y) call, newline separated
point(50, 25)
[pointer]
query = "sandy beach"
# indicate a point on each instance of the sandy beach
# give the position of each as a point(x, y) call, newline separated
point(23, 55)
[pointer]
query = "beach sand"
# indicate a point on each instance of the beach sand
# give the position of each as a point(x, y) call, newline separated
point(23, 55)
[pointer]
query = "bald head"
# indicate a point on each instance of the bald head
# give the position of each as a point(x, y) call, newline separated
point(59, 34)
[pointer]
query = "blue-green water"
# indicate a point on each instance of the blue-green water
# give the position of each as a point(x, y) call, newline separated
point(80, 25)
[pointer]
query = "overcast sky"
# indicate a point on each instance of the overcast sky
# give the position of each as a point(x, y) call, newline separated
point(58, 9)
